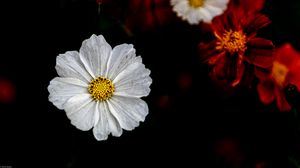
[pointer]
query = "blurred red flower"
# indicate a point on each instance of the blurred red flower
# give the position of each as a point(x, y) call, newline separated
point(230, 150)
point(7, 91)
point(235, 45)
point(184, 81)
point(164, 101)
point(260, 165)
point(146, 14)
point(285, 70)
point(247, 5)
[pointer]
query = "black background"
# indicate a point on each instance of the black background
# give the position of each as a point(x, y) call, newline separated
point(184, 123)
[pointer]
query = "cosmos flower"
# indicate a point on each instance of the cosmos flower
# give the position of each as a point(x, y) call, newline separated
point(101, 87)
point(195, 11)
point(235, 45)
point(285, 70)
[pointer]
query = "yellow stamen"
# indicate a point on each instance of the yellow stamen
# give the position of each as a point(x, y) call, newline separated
point(232, 41)
point(279, 72)
point(101, 88)
point(196, 3)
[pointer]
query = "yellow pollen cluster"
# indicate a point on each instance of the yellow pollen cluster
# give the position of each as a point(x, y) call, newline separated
point(196, 3)
point(232, 41)
point(101, 88)
point(279, 72)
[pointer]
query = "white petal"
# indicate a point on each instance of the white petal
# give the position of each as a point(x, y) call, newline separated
point(121, 55)
point(81, 109)
point(107, 123)
point(182, 9)
point(122, 63)
point(94, 54)
point(128, 111)
point(101, 129)
point(193, 16)
point(174, 2)
point(206, 15)
point(214, 11)
point(70, 65)
point(134, 81)
point(113, 124)
point(62, 89)
point(222, 4)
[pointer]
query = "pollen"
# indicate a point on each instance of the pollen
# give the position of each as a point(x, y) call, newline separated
point(279, 72)
point(232, 41)
point(101, 89)
point(196, 3)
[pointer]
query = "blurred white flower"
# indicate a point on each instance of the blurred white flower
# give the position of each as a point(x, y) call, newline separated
point(101, 87)
point(195, 11)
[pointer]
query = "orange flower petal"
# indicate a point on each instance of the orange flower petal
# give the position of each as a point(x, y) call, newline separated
point(260, 43)
point(239, 74)
point(255, 22)
point(266, 91)
point(293, 77)
point(287, 55)
point(281, 101)
point(260, 52)
point(219, 68)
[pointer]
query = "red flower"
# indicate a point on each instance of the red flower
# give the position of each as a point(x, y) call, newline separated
point(7, 91)
point(229, 149)
point(146, 14)
point(236, 45)
point(285, 70)
point(248, 5)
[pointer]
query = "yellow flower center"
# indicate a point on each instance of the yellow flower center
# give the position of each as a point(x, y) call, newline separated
point(101, 88)
point(279, 72)
point(196, 3)
point(232, 41)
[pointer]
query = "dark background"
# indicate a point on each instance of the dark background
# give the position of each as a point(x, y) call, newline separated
point(191, 121)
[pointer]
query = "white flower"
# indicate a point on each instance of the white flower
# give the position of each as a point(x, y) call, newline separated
point(101, 87)
point(195, 11)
